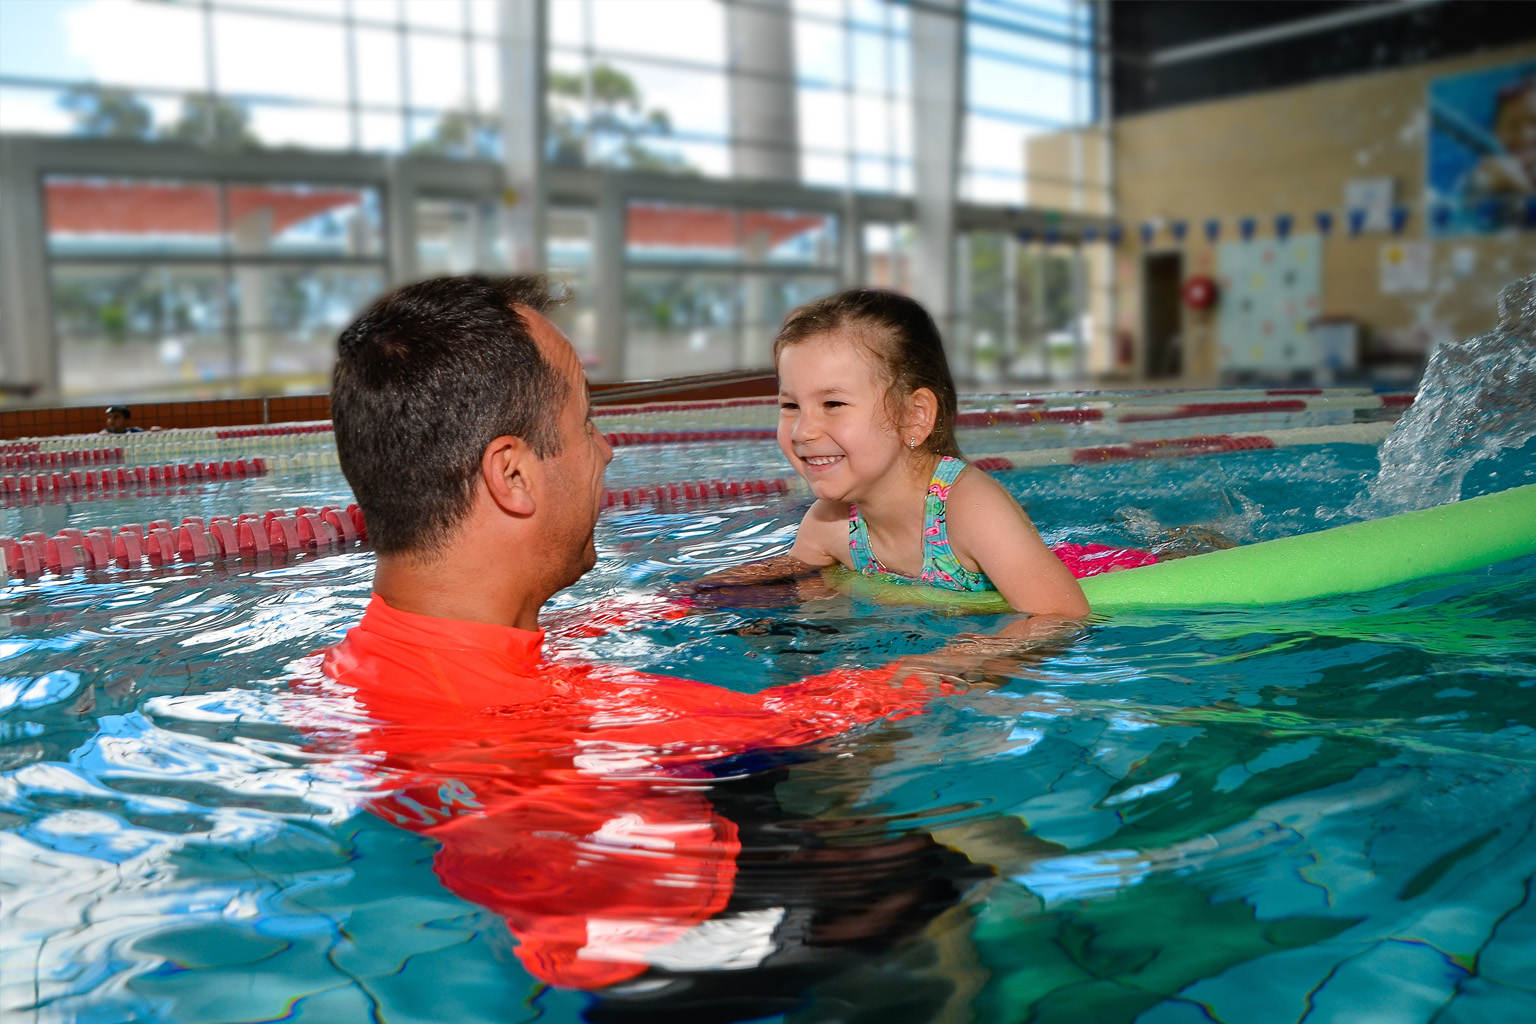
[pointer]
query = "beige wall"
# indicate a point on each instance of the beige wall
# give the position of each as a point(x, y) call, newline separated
point(1292, 151)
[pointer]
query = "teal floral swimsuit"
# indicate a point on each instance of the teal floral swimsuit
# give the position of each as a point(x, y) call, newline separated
point(940, 566)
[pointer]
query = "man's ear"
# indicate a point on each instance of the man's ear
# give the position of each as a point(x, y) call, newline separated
point(922, 414)
point(510, 472)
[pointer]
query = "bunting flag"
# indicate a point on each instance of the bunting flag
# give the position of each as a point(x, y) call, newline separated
point(1090, 233)
point(1530, 211)
point(1324, 221)
point(1356, 222)
point(1282, 226)
point(1246, 226)
point(1178, 228)
point(1399, 219)
point(1113, 233)
point(1052, 236)
point(1213, 230)
point(1440, 216)
point(1026, 235)
point(1148, 229)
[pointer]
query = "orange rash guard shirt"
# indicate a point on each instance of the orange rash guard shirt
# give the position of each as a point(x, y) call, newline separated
point(572, 798)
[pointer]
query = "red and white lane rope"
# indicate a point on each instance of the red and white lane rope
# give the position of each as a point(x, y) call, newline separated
point(1161, 448)
point(98, 484)
point(274, 535)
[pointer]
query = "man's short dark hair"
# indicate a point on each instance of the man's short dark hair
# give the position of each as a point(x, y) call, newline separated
point(427, 377)
point(122, 410)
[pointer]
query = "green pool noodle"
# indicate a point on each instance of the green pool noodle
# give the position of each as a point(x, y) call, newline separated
point(1348, 559)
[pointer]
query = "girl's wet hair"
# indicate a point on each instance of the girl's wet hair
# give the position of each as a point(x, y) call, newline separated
point(904, 341)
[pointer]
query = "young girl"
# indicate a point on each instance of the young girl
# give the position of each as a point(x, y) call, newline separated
point(867, 417)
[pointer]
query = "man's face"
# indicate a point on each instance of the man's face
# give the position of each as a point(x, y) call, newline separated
point(576, 497)
point(117, 422)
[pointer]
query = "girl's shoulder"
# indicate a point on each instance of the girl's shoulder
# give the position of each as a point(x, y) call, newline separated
point(972, 484)
point(976, 504)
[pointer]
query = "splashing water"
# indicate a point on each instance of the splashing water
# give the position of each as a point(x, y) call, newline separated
point(1478, 397)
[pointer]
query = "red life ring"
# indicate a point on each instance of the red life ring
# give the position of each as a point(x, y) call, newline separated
point(1199, 292)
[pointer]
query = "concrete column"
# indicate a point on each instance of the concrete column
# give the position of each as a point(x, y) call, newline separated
point(1008, 345)
point(252, 236)
point(852, 266)
point(28, 358)
point(609, 237)
point(400, 223)
point(760, 50)
point(938, 103)
point(523, 66)
point(755, 330)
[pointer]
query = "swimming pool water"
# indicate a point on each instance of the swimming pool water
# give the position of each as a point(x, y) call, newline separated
point(1318, 811)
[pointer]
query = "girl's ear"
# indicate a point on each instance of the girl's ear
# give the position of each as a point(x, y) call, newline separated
point(922, 414)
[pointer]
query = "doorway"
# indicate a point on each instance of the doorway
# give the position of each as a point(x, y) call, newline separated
point(1163, 274)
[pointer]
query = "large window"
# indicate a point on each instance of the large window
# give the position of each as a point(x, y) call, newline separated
point(167, 285)
point(706, 287)
point(370, 75)
point(1029, 72)
point(1024, 315)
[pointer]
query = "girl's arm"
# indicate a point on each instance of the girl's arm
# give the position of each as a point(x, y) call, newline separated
point(987, 527)
point(813, 550)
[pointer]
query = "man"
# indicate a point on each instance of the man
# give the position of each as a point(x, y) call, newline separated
point(119, 419)
point(599, 810)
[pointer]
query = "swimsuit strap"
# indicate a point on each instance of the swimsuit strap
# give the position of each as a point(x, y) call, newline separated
point(940, 566)
point(863, 556)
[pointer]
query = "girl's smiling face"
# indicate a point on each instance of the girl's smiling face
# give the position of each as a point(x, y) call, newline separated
point(834, 427)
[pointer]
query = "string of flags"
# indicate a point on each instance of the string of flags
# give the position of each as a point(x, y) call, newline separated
point(1354, 221)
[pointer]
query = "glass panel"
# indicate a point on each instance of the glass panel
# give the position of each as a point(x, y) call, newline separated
point(1043, 95)
point(871, 126)
point(98, 217)
point(382, 133)
point(888, 256)
point(766, 300)
point(124, 328)
point(789, 237)
point(289, 316)
point(41, 111)
point(376, 10)
point(570, 233)
point(303, 127)
point(672, 232)
point(987, 340)
point(666, 231)
point(378, 67)
point(821, 53)
point(873, 175)
point(817, 169)
point(871, 52)
point(661, 100)
point(694, 32)
point(124, 44)
point(437, 71)
point(447, 239)
point(482, 16)
point(442, 14)
point(680, 323)
point(823, 121)
point(487, 77)
point(247, 48)
point(305, 220)
point(567, 23)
